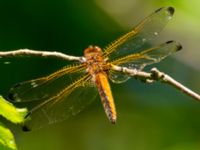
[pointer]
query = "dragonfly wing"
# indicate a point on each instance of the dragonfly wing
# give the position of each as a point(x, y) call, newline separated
point(146, 57)
point(45, 87)
point(142, 36)
point(117, 77)
point(67, 103)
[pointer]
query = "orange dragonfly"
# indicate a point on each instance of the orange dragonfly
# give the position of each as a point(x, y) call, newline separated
point(67, 91)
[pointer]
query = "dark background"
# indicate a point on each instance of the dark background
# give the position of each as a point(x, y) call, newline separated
point(150, 117)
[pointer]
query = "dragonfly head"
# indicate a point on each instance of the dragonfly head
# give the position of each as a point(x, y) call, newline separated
point(92, 51)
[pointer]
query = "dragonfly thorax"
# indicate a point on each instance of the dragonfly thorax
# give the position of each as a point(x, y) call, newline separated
point(93, 55)
point(92, 51)
point(94, 60)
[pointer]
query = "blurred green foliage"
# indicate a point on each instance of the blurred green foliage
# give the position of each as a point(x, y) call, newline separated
point(7, 141)
point(150, 117)
point(13, 114)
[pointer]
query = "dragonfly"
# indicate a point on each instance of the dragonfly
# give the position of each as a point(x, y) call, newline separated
point(66, 92)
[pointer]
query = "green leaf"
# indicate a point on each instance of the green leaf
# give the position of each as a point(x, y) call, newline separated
point(10, 112)
point(7, 141)
point(13, 114)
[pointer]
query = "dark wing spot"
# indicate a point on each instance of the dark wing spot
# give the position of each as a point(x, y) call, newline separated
point(26, 128)
point(11, 96)
point(168, 42)
point(171, 10)
point(158, 9)
point(179, 46)
point(28, 114)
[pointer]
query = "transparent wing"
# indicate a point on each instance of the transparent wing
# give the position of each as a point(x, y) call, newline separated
point(142, 36)
point(146, 57)
point(67, 103)
point(45, 87)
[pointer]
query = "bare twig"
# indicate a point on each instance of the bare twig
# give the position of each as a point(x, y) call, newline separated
point(154, 75)
point(169, 80)
point(28, 52)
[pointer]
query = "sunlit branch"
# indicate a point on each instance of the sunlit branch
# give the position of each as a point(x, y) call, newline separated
point(156, 75)
point(28, 52)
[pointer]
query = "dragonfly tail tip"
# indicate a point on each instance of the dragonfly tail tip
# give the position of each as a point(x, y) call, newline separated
point(113, 121)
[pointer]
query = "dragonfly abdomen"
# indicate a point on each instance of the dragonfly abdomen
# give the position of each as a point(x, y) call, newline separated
point(106, 96)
